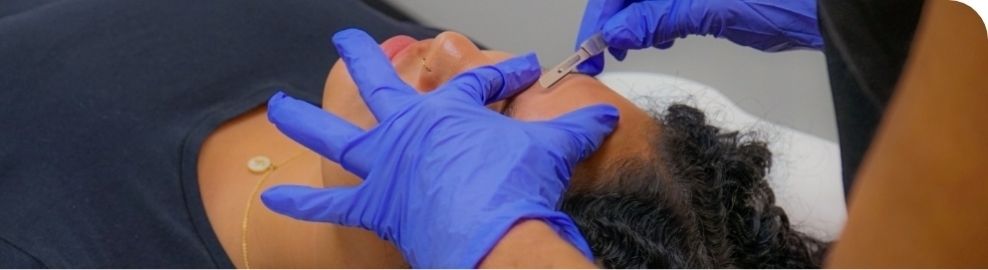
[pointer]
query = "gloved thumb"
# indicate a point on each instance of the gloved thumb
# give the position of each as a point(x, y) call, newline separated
point(595, 65)
point(582, 131)
point(313, 204)
point(596, 13)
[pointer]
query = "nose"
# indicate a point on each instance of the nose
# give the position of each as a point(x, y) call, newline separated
point(450, 54)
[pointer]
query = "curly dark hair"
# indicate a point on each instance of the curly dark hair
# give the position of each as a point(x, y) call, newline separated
point(701, 201)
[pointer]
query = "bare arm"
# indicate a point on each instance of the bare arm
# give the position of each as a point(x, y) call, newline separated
point(533, 244)
point(922, 194)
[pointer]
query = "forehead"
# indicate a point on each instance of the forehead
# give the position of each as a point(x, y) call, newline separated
point(632, 138)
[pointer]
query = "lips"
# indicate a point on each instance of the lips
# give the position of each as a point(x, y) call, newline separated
point(396, 44)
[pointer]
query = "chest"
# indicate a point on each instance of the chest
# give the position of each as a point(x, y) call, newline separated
point(230, 192)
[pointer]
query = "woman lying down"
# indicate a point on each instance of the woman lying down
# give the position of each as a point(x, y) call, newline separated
point(136, 136)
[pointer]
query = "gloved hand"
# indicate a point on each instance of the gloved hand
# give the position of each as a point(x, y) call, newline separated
point(444, 176)
point(767, 25)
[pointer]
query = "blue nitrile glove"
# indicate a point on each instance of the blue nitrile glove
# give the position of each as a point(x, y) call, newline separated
point(767, 25)
point(444, 176)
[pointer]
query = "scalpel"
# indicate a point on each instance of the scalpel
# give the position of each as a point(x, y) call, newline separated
point(593, 46)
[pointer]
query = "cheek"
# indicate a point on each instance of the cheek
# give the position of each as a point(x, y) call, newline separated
point(413, 72)
point(341, 98)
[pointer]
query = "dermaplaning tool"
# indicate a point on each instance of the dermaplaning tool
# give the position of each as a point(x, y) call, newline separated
point(593, 46)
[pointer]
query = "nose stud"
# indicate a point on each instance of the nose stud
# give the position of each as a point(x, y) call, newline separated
point(426, 67)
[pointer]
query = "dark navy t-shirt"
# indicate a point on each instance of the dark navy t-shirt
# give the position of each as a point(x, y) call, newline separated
point(866, 43)
point(104, 106)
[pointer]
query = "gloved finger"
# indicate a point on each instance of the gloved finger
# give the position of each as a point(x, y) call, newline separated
point(638, 25)
point(314, 204)
point(380, 86)
point(565, 226)
point(595, 15)
point(489, 84)
point(618, 54)
point(664, 45)
point(597, 12)
point(579, 133)
point(310, 126)
point(593, 66)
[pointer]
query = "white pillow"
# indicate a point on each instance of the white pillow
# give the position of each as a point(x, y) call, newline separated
point(806, 170)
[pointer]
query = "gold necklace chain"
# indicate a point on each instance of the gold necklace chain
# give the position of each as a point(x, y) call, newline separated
point(258, 164)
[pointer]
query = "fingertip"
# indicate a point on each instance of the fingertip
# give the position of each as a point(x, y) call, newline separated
point(526, 65)
point(532, 68)
point(593, 66)
point(604, 114)
point(618, 54)
point(488, 84)
point(608, 115)
point(348, 33)
point(532, 59)
point(290, 200)
point(352, 43)
point(309, 203)
point(371, 70)
point(664, 45)
point(278, 199)
point(270, 196)
point(311, 126)
point(588, 127)
point(277, 105)
point(277, 97)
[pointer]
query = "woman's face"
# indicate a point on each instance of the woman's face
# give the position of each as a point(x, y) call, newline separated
point(427, 64)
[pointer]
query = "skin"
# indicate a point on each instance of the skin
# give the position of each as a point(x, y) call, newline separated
point(918, 202)
point(451, 53)
point(275, 241)
point(920, 198)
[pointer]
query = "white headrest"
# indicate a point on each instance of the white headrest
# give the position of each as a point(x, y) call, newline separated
point(806, 170)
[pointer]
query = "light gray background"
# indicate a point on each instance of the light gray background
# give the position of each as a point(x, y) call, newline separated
point(789, 88)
